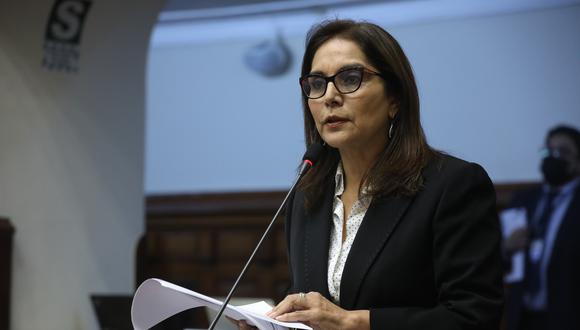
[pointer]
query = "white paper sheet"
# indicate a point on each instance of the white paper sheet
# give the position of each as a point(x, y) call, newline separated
point(260, 307)
point(511, 220)
point(155, 300)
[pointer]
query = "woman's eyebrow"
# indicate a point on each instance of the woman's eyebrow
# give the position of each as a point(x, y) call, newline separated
point(342, 68)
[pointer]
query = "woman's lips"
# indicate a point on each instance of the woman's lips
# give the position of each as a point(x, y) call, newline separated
point(335, 122)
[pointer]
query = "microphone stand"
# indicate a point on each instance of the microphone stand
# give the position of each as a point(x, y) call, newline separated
point(304, 168)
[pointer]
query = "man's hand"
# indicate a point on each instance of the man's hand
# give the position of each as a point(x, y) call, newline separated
point(519, 239)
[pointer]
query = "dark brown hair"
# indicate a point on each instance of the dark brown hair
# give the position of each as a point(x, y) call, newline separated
point(569, 131)
point(398, 168)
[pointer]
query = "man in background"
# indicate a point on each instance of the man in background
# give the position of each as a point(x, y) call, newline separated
point(548, 297)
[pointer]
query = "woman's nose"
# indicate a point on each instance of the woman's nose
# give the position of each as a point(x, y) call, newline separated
point(332, 97)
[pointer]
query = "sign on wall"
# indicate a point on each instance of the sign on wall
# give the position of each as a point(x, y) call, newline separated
point(63, 34)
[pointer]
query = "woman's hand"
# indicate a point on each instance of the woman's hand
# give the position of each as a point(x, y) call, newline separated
point(319, 313)
point(241, 324)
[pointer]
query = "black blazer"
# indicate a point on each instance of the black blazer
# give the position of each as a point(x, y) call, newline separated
point(563, 273)
point(431, 261)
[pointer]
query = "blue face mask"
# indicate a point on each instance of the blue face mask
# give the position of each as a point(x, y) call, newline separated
point(556, 171)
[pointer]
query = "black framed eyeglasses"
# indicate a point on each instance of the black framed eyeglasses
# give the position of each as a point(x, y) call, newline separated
point(346, 81)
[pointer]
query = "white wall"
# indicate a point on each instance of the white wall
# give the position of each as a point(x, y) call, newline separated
point(214, 125)
point(71, 160)
point(490, 88)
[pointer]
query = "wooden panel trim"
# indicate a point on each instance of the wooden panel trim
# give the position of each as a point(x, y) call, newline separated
point(198, 204)
point(505, 191)
point(258, 203)
point(6, 237)
point(6, 226)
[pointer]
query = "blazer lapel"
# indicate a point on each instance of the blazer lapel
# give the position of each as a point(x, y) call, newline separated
point(316, 245)
point(377, 226)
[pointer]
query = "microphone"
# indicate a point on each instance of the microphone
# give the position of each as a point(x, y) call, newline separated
point(309, 159)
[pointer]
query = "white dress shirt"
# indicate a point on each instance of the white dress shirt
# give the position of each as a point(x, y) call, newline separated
point(338, 251)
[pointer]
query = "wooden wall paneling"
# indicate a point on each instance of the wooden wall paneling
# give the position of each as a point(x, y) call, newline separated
point(6, 237)
point(202, 241)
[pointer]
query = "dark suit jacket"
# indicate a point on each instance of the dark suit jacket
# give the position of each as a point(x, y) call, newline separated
point(431, 261)
point(563, 273)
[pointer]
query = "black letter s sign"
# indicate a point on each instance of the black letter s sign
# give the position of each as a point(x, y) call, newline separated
point(66, 20)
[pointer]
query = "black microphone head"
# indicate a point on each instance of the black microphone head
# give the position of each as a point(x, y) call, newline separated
point(313, 153)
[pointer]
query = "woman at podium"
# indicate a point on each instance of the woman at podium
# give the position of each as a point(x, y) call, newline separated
point(384, 232)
